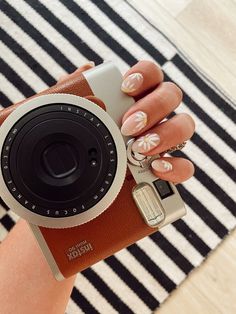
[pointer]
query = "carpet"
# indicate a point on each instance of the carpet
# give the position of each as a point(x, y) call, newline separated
point(42, 40)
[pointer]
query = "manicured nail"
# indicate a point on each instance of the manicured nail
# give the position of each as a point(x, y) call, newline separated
point(161, 165)
point(89, 63)
point(145, 143)
point(92, 63)
point(134, 123)
point(132, 82)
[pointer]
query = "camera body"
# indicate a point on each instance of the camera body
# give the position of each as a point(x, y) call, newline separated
point(68, 171)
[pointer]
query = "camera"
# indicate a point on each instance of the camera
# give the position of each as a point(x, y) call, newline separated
point(70, 173)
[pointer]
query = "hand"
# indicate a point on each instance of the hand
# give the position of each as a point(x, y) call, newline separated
point(155, 101)
point(144, 120)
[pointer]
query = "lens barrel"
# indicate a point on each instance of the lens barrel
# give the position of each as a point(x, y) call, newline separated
point(59, 160)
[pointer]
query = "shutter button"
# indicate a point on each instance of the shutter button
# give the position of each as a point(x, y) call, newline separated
point(59, 160)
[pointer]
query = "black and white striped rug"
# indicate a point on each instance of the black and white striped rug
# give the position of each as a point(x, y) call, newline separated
point(42, 40)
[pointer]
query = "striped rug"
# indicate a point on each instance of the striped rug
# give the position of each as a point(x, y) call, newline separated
point(42, 40)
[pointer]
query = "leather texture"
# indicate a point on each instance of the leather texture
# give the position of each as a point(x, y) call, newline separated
point(116, 228)
point(76, 85)
point(77, 248)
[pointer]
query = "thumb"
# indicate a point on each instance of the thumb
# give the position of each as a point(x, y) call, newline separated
point(81, 69)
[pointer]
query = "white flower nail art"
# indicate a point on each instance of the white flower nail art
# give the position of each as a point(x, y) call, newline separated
point(148, 141)
point(141, 118)
point(161, 165)
point(166, 165)
point(132, 82)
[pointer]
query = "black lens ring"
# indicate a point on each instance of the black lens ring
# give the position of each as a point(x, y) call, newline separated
point(62, 209)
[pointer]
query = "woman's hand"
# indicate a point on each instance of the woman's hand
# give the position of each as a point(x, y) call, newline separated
point(155, 101)
point(144, 120)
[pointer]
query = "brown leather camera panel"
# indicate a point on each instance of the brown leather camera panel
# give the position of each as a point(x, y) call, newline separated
point(76, 85)
point(75, 249)
point(119, 226)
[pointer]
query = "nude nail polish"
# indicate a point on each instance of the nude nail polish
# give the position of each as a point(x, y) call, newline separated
point(134, 123)
point(92, 63)
point(161, 165)
point(146, 143)
point(132, 82)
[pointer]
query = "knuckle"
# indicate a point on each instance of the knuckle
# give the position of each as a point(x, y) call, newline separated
point(174, 89)
point(152, 67)
point(190, 169)
point(186, 171)
point(180, 132)
point(146, 63)
point(189, 120)
point(159, 94)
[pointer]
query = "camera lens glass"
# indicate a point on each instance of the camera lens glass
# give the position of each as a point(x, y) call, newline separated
point(59, 160)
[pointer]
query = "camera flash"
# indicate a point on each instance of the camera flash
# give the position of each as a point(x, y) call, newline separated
point(148, 204)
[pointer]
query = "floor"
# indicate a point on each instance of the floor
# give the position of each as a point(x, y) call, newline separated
point(205, 30)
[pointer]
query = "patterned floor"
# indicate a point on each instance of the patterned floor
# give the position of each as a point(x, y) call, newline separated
point(42, 40)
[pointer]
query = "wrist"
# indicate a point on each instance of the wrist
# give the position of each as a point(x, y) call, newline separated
point(24, 268)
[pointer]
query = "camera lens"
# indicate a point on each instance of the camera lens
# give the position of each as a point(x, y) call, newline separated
point(61, 160)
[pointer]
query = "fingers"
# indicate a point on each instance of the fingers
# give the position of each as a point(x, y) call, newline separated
point(170, 133)
point(143, 76)
point(81, 69)
point(156, 100)
point(142, 119)
point(173, 169)
point(151, 109)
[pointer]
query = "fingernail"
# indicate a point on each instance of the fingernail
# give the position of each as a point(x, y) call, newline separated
point(145, 143)
point(92, 63)
point(161, 165)
point(134, 123)
point(132, 82)
point(89, 63)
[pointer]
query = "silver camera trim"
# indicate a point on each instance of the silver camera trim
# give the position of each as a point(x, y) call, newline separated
point(155, 211)
point(117, 104)
point(105, 202)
